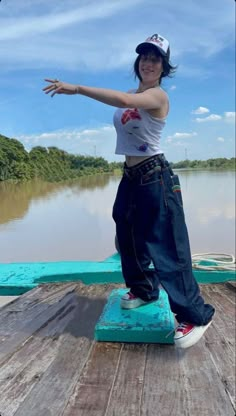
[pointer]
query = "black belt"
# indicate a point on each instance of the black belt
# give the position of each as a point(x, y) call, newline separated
point(148, 166)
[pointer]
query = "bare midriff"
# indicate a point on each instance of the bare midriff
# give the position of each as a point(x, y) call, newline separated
point(134, 160)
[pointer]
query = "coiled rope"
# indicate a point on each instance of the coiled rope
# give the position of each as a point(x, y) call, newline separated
point(213, 261)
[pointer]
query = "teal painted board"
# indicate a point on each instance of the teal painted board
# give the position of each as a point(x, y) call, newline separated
point(152, 323)
point(24, 276)
point(15, 290)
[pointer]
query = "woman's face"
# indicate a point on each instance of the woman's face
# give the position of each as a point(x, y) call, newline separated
point(150, 67)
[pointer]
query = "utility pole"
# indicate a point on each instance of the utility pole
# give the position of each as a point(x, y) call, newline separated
point(186, 154)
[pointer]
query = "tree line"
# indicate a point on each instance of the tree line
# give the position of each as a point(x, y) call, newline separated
point(50, 164)
point(218, 163)
point(53, 164)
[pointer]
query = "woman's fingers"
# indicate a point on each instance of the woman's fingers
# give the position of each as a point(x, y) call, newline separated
point(51, 80)
point(48, 88)
point(58, 87)
point(57, 91)
point(52, 86)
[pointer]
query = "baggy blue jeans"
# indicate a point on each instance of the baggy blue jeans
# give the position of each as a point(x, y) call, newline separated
point(151, 231)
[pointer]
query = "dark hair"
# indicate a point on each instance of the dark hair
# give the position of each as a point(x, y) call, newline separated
point(168, 69)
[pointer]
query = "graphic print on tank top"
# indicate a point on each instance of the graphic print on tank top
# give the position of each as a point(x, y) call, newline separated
point(130, 114)
point(133, 114)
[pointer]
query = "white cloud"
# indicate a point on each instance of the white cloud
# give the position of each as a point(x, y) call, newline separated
point(200, 110)
point(229, 116)
point(172, 88)
point(51, 22)
point(212, 117)
point(220, 139)
point(99, 141)
point(181, 136)
point(72, 34)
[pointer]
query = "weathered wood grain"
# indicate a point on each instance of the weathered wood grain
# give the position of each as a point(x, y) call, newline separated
point(205, 392)
point(91, 395)
point(224, 318)
point(50, 394)
point(163, 385)
point(30, 305)
point(231, 285)
point(126, 394)
point(183, 383)
point(51, 366)
point(220, 337)
point(30, 321)
point(26, 366)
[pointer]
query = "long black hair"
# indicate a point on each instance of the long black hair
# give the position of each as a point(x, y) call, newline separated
point(168, 68)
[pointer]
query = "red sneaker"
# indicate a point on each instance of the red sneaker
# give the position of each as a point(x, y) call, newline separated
point(187, 334)
point(130, 301)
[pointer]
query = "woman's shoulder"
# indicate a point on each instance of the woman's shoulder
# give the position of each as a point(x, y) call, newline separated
point(161, 92)
point(162, 111)
point(132, 91)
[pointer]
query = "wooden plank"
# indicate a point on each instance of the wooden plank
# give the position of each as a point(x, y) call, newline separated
point(231, 285)
point(31, 304)
point(222, 354)
point(229, 290)
point(29, 323)
point(92, 391)
point(162, 390)
point(25, 367)
point(126, 394)
point(16, 389)
point(220, 337)
point(222, 299)
point(50, 395)
point(183, 382)
point(59, 370)
point(206, 395)
point(224, 317)
point(32, 358)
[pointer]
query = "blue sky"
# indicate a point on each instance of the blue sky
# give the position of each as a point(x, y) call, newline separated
point(93, 43)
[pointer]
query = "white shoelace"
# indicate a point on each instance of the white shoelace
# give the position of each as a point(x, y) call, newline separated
point(183, 325)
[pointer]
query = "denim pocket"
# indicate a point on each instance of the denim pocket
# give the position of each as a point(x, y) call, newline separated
point(150, 177)
point(176, 189)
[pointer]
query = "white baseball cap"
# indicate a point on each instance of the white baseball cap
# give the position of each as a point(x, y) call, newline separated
point(159, 41)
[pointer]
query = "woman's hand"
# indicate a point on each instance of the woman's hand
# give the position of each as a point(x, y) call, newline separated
point(59, 87)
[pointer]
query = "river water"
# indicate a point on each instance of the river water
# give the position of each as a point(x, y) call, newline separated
point(42, 221)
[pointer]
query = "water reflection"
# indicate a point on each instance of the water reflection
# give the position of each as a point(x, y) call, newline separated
point(92, 182)
point(72, 220)
point(15, 198)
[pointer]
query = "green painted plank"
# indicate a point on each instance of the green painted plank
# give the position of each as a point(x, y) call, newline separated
point(15, 290)
point(27, 275)
point(153, 322)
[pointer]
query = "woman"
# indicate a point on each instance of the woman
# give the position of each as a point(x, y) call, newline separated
point(148, 211)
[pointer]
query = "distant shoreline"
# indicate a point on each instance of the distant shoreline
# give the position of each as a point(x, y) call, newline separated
point(52, 164)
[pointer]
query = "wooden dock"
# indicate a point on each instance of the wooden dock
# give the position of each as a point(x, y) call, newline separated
point(50, 364)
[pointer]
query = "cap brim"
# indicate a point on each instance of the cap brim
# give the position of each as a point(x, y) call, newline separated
point(143, 47)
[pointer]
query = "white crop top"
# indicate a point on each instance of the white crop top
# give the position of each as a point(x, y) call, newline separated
point(138, 133)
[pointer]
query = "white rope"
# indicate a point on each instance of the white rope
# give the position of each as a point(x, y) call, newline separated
point(222, 261)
